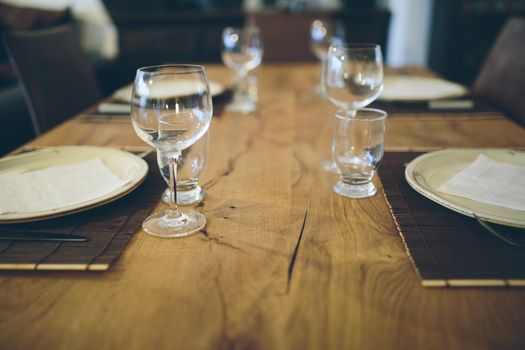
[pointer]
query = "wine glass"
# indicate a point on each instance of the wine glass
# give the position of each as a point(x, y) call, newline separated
point(242, 52)
point(324, 33)
point(171, 109)
point(353, 75)
point(352, 79)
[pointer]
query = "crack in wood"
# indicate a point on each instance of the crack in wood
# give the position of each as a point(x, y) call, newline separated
point(295, 253)
point(219, 242)
point(233, 160)
point(229, 169)
point(226, 339)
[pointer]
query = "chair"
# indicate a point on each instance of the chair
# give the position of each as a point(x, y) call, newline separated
point(501, 79)
point(56, 76)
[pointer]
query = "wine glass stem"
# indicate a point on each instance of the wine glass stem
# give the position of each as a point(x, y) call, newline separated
point(241, 89)
point(321, 72)
point(172, 164)
point(350, 113)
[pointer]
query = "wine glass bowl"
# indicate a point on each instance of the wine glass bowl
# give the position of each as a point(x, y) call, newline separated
point(324, 33)
point(171, 105)
point(171, 109)
point(353, 75)
point(242, 48)
point(242, 52)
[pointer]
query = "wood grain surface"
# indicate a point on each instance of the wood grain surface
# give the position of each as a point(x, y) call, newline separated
point(284, 263)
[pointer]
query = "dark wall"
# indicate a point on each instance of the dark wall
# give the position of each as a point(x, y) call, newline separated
point(180, 36)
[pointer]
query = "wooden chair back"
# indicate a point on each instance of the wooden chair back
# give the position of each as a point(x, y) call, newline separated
point(501, 79)
point(286, 36)
point(56, 77)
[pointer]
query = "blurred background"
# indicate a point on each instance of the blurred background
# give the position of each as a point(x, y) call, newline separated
point(451, 37)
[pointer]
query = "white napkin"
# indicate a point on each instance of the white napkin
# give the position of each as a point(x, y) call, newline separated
point(56, 187)
point(489, 181)
point(114, 108)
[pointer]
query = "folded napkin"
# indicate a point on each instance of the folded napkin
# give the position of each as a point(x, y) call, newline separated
point(489, 181)
point(56, 187)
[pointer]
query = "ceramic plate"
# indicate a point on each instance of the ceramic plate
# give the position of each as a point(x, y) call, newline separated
point(427, 172)
point(404, 88)
point(124, 94)
point(125, 165)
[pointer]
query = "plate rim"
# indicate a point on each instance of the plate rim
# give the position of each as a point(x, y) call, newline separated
point(114, 95)
point(464, 91)
point(461, 209)
point(77, 208)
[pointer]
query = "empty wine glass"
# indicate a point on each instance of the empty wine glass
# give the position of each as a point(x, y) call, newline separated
point(171, 109)
point(357, 150)
point(242, 52)
point(353, 75)
point(352, 79)
point(324, 33)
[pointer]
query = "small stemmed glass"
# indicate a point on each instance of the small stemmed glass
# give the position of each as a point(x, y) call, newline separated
point(324, 33)
point(171, 109)
point(242, 52)
point(190, 167)
point(352, 78)
point(357, 150)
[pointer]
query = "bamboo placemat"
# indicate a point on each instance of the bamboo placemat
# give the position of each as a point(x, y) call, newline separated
point(422, 107)
point(446, 248)
point(109, 228)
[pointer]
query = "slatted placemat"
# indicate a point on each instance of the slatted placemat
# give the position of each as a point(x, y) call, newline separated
point(479, 106)
point(446, 248)
point(221, 101)
point(108, 228)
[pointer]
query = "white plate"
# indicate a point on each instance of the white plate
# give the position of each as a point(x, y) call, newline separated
point(124, 94)
point(406, 88)
point(429, 171)
point(125, 165)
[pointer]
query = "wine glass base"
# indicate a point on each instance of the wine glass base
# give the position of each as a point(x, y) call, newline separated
point(163, 225)
point(355, 191)
point(190, 197)
point(243, 107)
point(329, 165)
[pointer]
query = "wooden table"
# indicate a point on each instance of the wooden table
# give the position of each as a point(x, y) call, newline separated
point(285, 264)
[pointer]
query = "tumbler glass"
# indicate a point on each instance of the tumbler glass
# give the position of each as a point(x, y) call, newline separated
point(357, 149)
point(190, 166)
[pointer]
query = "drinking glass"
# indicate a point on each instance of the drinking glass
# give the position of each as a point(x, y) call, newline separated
point(171, 109)
point(357, 150)
point(324, 33)
point(190, 167)
point(242, 52)
point(352, 78)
